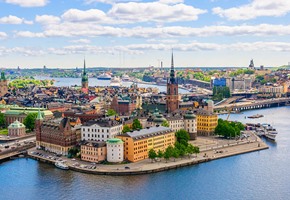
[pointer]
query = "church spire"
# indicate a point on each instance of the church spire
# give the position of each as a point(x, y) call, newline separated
point(172, 72)
point(84, 66)
point(39, 116)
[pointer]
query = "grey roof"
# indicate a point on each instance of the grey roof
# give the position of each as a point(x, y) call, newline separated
point(147, 132)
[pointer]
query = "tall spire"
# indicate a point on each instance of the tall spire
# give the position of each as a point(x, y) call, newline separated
point(39, 116)
point(172, 72)
point(84, 65)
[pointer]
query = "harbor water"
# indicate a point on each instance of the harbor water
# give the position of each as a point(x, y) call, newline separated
point(260, 175)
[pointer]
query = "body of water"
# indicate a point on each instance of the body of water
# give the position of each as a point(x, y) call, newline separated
point(65, 82)
point(260, 175)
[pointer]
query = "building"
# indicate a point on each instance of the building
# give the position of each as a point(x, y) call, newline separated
point(219, 82)
point(100, 130)
point(206, 122)
point(3, 85)
point(19, 114)
point(271, 91)
point(85, 80)
point(115, 150)
point(138, 143)
point(16, 129)
point(93, 151)
point(123, 105)
point(172, 97)
point(56, 136)
point(190, 124)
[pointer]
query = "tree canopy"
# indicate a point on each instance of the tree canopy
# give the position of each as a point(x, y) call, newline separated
point(126, 129)
point(136, 124)
point(111, 112)
point(228, 129)
point(2, 120)
point(152, 154)
point(29, 121)
point(165, 123)
point(182, 137)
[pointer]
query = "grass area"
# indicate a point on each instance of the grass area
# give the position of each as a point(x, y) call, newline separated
point(4, 131)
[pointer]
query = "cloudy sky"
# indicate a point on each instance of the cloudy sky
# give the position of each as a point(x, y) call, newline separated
point(139, 33)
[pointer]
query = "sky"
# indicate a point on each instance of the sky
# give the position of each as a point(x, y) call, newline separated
point(141, 33)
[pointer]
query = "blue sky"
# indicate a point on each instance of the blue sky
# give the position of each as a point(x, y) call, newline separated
point(140, 33)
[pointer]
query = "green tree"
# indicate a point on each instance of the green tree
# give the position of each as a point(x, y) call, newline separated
point(29, 121)
point(2, 120)
point(136, 124)
point(126, 129)
point(160, 154)
point(189, 149)
point(196, 150)
point(111, 112)
point(165, 123)
point(168, 153)
point(175, 153)
point(152, 154)
point(182, 137)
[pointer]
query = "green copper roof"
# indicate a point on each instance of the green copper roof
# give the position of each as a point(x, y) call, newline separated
point(16, 124)
point(39, 116)
point(114, 141)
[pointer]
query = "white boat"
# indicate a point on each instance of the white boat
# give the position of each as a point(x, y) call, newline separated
point(270, 132)
point(104, 76)
point(125, 78)
point(61, 165)
point(115, 82)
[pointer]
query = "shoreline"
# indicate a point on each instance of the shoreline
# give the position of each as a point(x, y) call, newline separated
point(147, 167)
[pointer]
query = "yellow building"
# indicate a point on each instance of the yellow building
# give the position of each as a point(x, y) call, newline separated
point(206, 122)
point(138, 143)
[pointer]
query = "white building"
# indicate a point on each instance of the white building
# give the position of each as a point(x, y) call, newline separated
point(100, 130)
point(16, 129)
point(115, 150)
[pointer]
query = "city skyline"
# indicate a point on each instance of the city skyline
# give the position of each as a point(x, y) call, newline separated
point(140, 33)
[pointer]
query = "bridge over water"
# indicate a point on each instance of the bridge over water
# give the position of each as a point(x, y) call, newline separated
point(258, 104)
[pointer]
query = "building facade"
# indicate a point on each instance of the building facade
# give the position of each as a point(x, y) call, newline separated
point(93, 151)
point(100, 130)
point(115, 150)
point(3, 84)
point(138, 143)
point(206, 122)
point(56, 136)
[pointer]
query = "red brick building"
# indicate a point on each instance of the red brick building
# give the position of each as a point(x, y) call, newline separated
point(123, 106)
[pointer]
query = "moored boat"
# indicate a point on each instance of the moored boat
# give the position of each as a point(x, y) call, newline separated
point(104, 76)
point(61, 165)
point(256, 116)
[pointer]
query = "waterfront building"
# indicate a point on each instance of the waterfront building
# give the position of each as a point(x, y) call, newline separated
point(19, 114)
point(100, 130)
point(85, 80)
point(93, 151)
point(271, 91)
point(206, 122)
point(115, 150)
point(172, 96)
point(16, 129)
point(190, 124)
point(3, 84)
point(138, 143)
point(57, 135)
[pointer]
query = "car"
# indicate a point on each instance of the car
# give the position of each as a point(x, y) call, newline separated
point(127, 167)
point(73, 159)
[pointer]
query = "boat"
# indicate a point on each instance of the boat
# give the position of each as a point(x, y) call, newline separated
point(125, 78)
point(61, 165)
point(115, 82)
point(270, 132)
point(256, 116)
point(104, 76)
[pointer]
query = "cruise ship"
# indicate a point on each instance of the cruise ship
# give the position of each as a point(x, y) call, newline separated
point(61, 165)
point(116, 82)
point(125, 78)
point(104, 76)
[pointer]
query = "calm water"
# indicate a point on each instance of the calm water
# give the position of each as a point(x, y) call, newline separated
point(259, 175)
point(61, 82)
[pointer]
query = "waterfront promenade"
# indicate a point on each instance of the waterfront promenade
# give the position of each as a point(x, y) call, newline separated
point(211, 149)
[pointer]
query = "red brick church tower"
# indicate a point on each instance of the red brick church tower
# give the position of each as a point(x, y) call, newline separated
point(172, 97)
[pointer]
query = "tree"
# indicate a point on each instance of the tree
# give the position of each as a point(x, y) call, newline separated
point(196, 150)
point(136, 124)
point(111, 112)
point(152, 154)
point(165, 123)
point(190, 149)
point(2, 120)
point(182, 137)
point(29, 121)
point(168, 153)
point(126, 129)
point(175, 153)
point(160, 154)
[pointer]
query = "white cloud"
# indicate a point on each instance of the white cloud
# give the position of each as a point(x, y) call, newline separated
point(28, 34)
point(171, 1)
point(108, 1)
point(92, 15)
point(47, 19)
point(28, 3)
point(257, 8)
point(3, 35)
point(14, 20)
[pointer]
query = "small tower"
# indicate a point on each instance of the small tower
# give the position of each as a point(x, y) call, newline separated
point(252, 66)
point(85, 82)
point(3, 84)
point(38, 128)
point(172, 97)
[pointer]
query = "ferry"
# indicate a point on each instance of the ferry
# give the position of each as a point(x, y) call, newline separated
point(61, 165)
point(265, 130)
point(104, 76)
point(270, 132)
point(125, 78)
point(115, 82)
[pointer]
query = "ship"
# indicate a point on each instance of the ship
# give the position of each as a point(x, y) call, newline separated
point(125, 78)
point(104, 76)
point(115, 82)
point(61, 165)
point(270, 132)
point(256, 116)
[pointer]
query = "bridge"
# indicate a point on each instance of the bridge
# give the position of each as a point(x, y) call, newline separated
point(258, 104)
point(6, 155)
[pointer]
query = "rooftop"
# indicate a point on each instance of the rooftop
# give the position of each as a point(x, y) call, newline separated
point(148, 132)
